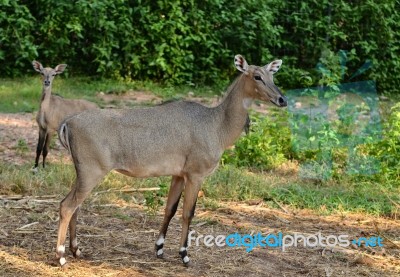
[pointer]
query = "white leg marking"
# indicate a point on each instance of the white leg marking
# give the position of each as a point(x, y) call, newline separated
point(160, 252)
point(61, 249)
point(186, 259)
point(182, 249)
point(160, 240)
point(78, 253)
point(63, 261)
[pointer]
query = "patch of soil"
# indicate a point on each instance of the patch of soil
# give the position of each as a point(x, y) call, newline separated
point(128, 99)
point(134, 98)
point(19, 134)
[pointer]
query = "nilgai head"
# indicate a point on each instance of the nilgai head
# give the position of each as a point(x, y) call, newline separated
point(263, 87)
point(48, 73)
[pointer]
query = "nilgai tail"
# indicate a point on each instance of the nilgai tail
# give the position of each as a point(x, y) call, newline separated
point(181, 139)
point(53, 109)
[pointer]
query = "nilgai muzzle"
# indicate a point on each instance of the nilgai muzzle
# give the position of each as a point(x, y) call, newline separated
point(53, 109)
point(181, 139)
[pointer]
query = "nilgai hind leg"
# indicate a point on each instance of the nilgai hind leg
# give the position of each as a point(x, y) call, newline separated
point(86, 180)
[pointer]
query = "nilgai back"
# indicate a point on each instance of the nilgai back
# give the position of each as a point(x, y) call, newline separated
point(181, 139)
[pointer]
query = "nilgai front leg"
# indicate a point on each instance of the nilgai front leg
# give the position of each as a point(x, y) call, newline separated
point(174, 195)
point(46, 147)
point(40, 144)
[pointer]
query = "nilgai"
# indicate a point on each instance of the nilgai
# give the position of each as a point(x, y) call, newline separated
point(181, 139)
point(53, 109)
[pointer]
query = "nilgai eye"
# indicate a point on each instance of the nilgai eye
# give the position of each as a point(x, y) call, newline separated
point(258, 78)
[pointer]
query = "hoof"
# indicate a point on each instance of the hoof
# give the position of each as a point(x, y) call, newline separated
point(63, 263)
point(159, 250)
point(65, 267)
point(160, 253)
point(185, 258)
point(77, 254)
point(186, 261)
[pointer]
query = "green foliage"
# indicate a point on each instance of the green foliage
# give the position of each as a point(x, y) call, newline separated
point(193, 42)
point(17, 41)
point(172, 41)
point(387, 150)
point(154, 199)
point(368, 29)
point(21, 147)
point(355, 196)
point(265, 147)
point(232, 183)
point(23, 94)
point(56, 179)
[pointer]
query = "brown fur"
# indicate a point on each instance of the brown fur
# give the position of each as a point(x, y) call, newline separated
point(181, 139)
point(53, 109)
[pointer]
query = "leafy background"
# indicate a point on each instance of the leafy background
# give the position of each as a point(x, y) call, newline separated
point(193, 42)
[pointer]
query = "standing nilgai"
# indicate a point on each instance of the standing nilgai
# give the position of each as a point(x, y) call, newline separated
point(182, 139)
point(53, 109)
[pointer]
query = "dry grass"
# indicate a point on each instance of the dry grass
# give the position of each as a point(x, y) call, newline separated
point(118, 238)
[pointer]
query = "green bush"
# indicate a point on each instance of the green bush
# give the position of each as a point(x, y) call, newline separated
point(193, 42)
point(267, 146)
point(387, 150)
point(171, 41)
point(368, 28)
point(17, 41)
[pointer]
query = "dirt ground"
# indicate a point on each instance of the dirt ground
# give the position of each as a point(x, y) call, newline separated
point(118, 239)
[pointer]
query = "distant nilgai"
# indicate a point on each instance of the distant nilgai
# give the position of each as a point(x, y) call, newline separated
point(53, 109)
point(181, 139)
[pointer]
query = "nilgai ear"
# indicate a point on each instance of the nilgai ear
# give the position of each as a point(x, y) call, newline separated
point(274, 66)
point(241, 64)
point(60, 68)
point(37, 66)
